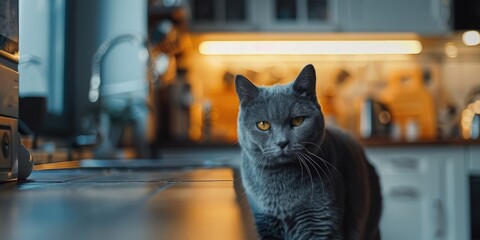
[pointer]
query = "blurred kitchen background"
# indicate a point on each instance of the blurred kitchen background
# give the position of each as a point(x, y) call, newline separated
point(129, 79)
point(405, 72)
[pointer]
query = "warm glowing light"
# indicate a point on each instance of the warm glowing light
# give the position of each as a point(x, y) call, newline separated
point(346, 47)
point(471, 38)
point(451, 50)
point(471, 120)
point(467, 113)
point(476, 107)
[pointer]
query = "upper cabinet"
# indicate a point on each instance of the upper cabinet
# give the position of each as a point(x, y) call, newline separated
point(421, 16)
point(268, 15)
point(299, 15)
point(221, 15)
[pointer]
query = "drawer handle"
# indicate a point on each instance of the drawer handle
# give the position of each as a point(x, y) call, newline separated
point(404, 192)
point(440, 210)
point(405, 163)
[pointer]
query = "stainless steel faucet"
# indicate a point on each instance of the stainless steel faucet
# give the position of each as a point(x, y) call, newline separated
point(97, 59)
point(111, 124)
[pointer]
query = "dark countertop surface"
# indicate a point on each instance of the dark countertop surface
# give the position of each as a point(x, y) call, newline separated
point(184, 195)
point(419, 143)
point(222, 153)
point(127, 202)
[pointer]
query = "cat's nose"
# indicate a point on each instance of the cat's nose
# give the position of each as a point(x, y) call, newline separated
point(282, 144)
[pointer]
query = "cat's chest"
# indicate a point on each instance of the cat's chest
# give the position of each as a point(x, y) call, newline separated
point(280, 192)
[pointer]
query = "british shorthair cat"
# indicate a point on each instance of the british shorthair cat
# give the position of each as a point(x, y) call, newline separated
point(302, 179)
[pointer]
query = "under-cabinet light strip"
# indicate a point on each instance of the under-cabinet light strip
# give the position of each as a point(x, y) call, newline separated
point(347, 47)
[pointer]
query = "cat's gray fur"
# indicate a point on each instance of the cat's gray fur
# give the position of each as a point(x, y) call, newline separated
point(321, 185)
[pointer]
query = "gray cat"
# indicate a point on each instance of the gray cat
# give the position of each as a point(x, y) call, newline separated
point(303, 181)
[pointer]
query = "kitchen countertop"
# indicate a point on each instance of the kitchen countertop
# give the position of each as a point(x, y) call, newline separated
point(221, 154)
point(186, 194)
point(435, 142)
point(125, 202)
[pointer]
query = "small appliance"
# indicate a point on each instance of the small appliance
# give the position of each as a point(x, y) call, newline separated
point(15, 159)
point(375, 119)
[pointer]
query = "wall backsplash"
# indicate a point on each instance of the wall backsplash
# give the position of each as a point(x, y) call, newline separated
point(428, 82)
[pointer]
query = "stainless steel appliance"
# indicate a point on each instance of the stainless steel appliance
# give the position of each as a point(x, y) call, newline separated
point(375, 119)
point(15, 160)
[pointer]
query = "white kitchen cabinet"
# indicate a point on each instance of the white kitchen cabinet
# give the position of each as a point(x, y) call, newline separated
point(473, 168)
point(222, 15)
point(474, 159)
point(424, 191)
point(300, 15)
point(268, 15)
point(454, 177)
point(421, 16)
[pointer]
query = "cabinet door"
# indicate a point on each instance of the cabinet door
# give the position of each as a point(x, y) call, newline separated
point(221, 15)
point(474, 161)
point(426, 16)
point(473, 213)
point(300, 15)
point(454, 179)
point(408, 208)
point(413, 190)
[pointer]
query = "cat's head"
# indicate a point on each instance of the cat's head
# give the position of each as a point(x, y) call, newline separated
point(279, 122)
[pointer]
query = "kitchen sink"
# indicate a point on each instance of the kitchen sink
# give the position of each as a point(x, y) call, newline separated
point(170, 159)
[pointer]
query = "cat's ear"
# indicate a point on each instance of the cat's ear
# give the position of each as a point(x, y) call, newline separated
point(246, 90)
point(305, 82)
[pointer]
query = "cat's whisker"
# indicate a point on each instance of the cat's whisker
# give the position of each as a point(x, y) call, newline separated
point(312, 143)
point(321, 150)
point(329, 178)
point(265, 158)
point(256, 161)
point(321, 180)
point(324, 163)
point(301, 167)
point(236, 179)
point(268, 151)
point(305, 157)
point(244, 194)
point(330, 172)
point(260, 163)
point(321, 159)
point(318, 165)
point(312, 162)
point(233, 144)
point(310, 175)
point(316, 145)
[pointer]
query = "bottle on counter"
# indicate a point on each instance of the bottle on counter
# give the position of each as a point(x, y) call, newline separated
point(411, 105)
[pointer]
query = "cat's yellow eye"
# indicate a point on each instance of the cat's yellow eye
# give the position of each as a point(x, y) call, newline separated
point(263, 125)
point(297, 121)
